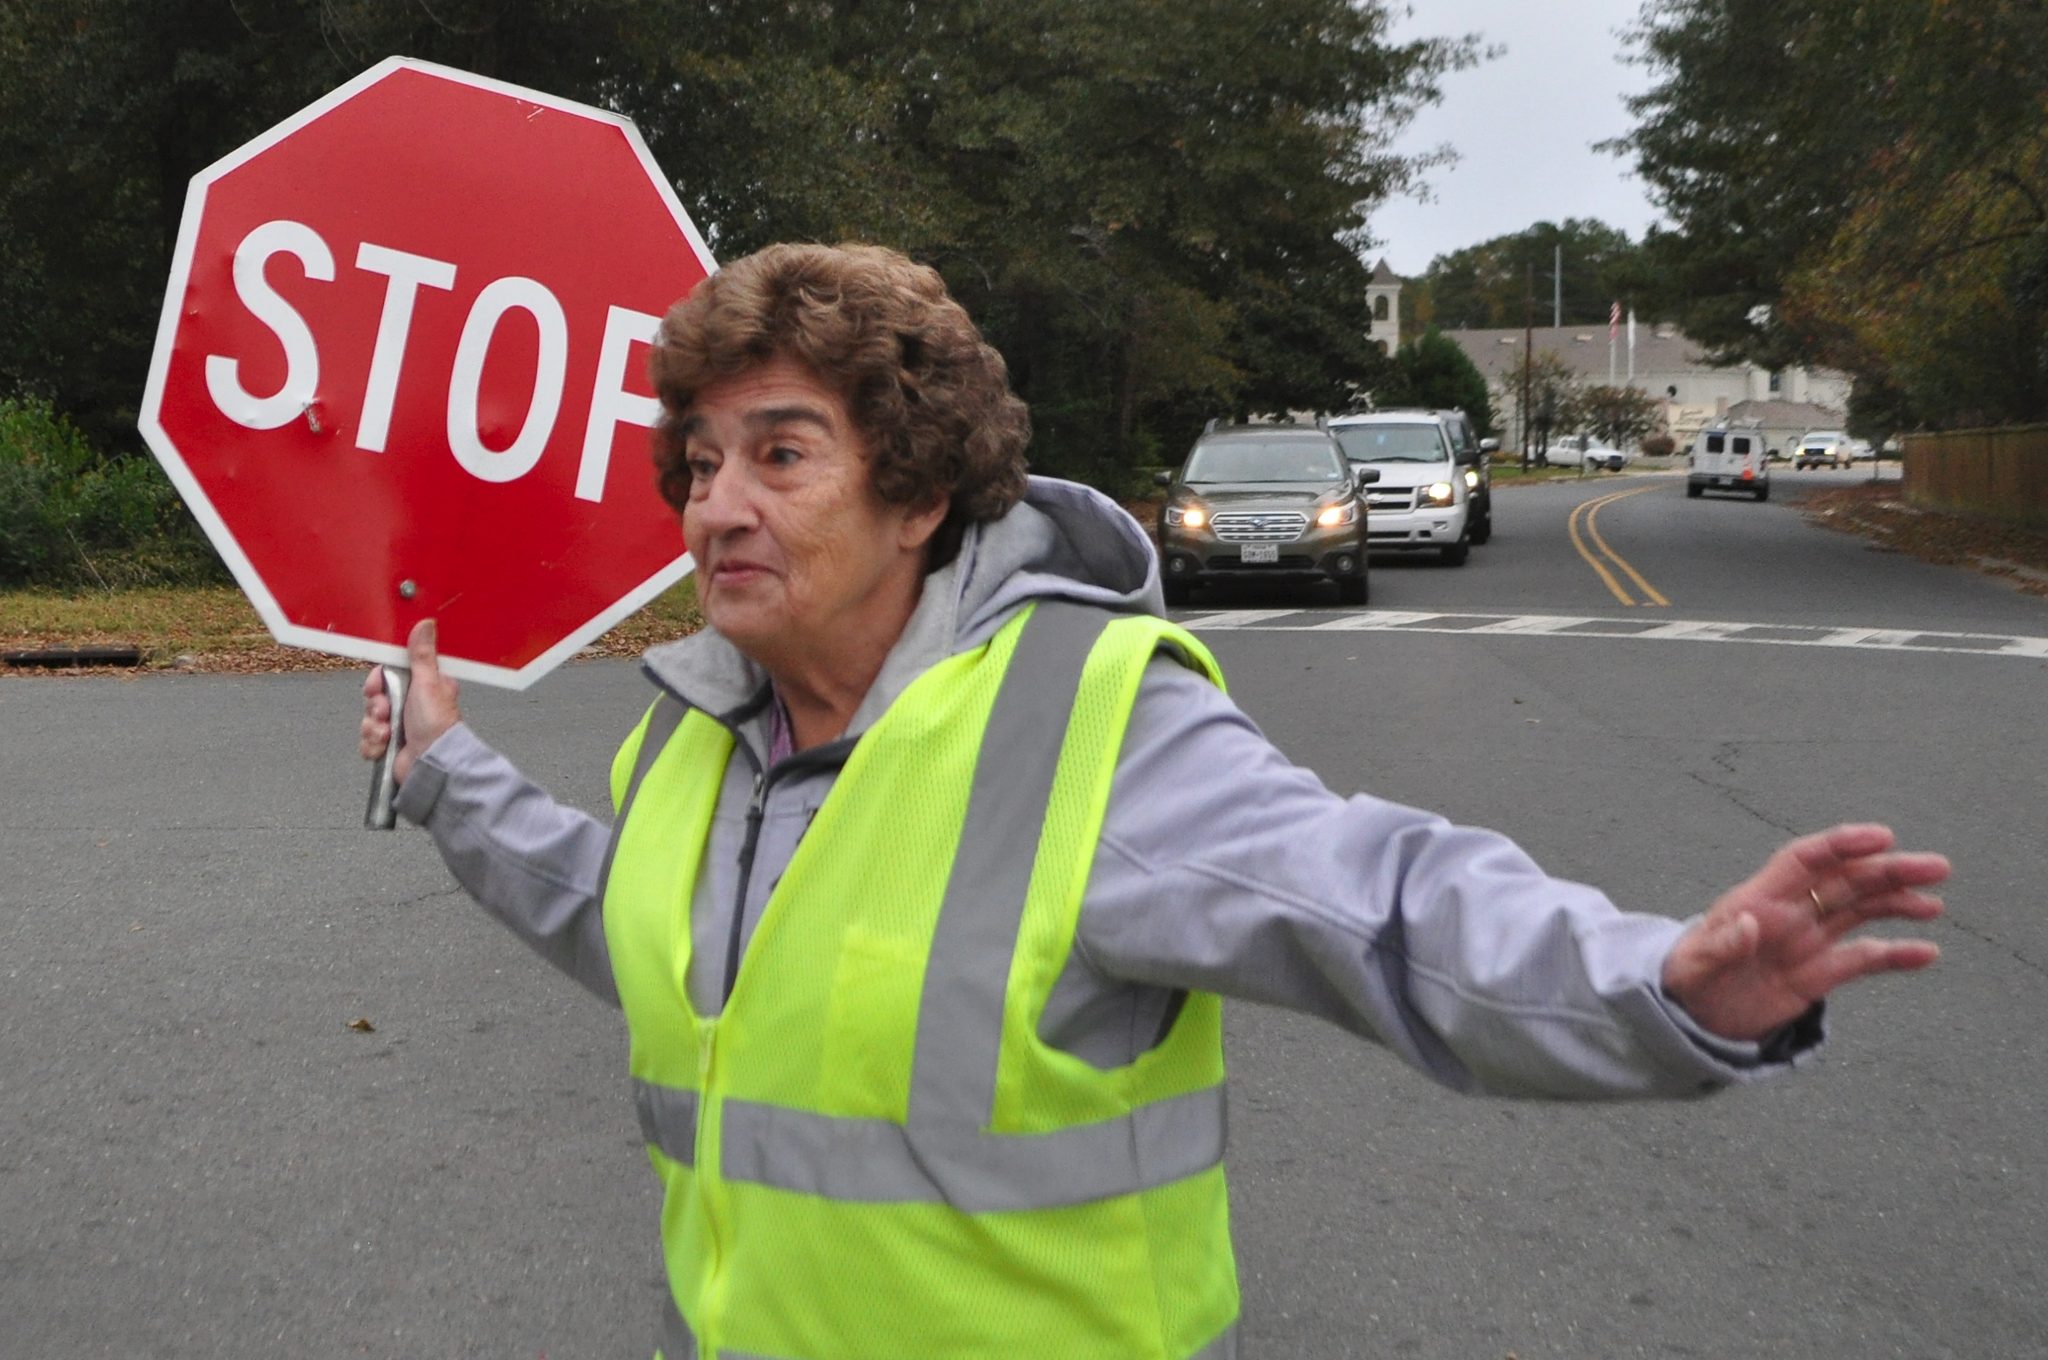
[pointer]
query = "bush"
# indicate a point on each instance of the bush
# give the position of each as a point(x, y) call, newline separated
point(1659, 446)
point(71, 517)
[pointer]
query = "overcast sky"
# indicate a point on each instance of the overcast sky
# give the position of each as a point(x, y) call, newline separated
point(1523, 125)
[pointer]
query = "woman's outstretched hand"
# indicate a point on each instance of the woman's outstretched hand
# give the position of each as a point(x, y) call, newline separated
point(1774, 945)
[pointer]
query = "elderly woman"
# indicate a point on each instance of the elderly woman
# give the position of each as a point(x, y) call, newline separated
point(921, 892)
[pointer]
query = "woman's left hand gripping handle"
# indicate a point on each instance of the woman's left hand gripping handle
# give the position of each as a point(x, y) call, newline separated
point(404, 712)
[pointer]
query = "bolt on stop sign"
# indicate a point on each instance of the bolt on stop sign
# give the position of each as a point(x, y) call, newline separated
point(401, 370)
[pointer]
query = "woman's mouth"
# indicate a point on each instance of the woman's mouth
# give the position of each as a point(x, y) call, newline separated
point(737, 573)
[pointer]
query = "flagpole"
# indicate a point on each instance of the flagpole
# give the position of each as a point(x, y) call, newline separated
point(1613, 321)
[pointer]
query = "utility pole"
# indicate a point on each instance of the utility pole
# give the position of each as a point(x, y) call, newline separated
point(1557, 288)
point(1528, 354)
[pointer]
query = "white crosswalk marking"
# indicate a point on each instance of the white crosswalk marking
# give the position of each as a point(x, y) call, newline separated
point(1614, 629)
point(1377, 619)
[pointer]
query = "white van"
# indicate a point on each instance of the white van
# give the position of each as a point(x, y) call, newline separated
point(1729, 460)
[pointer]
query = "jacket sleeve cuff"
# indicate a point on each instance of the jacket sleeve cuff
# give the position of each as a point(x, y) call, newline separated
point(1787, 1048)
point(422, 787)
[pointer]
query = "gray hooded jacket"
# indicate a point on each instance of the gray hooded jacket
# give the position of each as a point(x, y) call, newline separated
point(1445, 943)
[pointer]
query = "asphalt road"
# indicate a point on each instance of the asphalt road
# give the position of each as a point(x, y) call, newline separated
point(203, 1158)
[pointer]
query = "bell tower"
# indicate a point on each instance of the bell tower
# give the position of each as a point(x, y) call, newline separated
point(1383, 296)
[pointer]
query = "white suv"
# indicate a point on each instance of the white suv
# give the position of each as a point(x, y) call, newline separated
point(1420, 500)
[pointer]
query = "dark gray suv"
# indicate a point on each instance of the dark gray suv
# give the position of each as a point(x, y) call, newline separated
point(1264, 502)
point(1475, 464)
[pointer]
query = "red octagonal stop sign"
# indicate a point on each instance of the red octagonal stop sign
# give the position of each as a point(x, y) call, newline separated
point(401, 370)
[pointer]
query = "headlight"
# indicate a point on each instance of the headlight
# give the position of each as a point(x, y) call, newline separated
point(1436, 493)
point(1336, 515)
point(1192, 516)
point(1471, 479)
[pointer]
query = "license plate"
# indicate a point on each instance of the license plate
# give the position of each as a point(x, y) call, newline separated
point(1261, 552)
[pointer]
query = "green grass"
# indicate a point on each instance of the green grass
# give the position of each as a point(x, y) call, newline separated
point(1511, 474)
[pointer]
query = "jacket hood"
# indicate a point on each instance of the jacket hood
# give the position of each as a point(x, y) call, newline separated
point(1062, 541)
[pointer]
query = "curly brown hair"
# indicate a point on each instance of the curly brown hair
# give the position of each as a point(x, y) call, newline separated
point(928, 394)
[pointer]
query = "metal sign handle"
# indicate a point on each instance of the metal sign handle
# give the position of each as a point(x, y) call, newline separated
point(382, 814)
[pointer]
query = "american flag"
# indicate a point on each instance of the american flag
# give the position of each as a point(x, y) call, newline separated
point(1614, 321)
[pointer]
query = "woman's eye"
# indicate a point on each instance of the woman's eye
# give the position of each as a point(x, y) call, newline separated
point(782, 455)
point(701, 469)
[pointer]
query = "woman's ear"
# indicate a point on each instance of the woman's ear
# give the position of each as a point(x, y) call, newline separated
point(921, 522)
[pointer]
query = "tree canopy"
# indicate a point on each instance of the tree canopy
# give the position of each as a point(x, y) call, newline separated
point(1155, 210)
point(1434, 371)
point(1488, 285)
point(1620, 416)
point(1859, 184)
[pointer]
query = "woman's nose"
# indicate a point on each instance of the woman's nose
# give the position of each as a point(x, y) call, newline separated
point(727, 502)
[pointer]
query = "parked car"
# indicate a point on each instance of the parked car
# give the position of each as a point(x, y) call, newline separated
point(1729, 460)
point(1264, 502)
point(1821, 448)
point(1420, 499)
point(1581, 451)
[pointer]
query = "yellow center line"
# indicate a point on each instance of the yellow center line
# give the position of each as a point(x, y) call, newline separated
point(1650, 594)
point(1589, 511)
point(1572, 525)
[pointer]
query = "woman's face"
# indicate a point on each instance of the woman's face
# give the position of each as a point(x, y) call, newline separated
point(797, 557)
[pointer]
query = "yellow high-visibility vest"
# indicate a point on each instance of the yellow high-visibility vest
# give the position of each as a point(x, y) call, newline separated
point(870, 1154)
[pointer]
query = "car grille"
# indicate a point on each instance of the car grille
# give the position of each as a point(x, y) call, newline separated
point(1394, 498)
point(1249, 526)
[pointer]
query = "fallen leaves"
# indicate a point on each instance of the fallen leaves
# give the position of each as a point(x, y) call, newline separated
point(1880, 513)
point(214, 630)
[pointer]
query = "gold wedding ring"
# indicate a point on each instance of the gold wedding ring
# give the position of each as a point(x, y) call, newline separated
point(1818, 905)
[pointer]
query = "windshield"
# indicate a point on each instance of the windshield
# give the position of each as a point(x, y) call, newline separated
point(1392, 443)
point(1251, 460)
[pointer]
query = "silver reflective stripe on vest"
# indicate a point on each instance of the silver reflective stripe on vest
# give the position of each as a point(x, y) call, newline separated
point(678, 1342)
point(668, 1116)
point(668, 1119)
point(668, 715)
point(877, 1162)
point(960, 1012)
point(942, 1154)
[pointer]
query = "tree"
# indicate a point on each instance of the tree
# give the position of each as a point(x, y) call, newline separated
point(1436, 372)
point(1858, 185)
point(1487, 285)
point(108, 109)
point(1619, 416)
point(1155, 211)
point(1750, 139)
point(1553, 404)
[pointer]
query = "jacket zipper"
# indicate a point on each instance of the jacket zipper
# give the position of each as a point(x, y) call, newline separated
point(830, 752)
point(739, 906)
